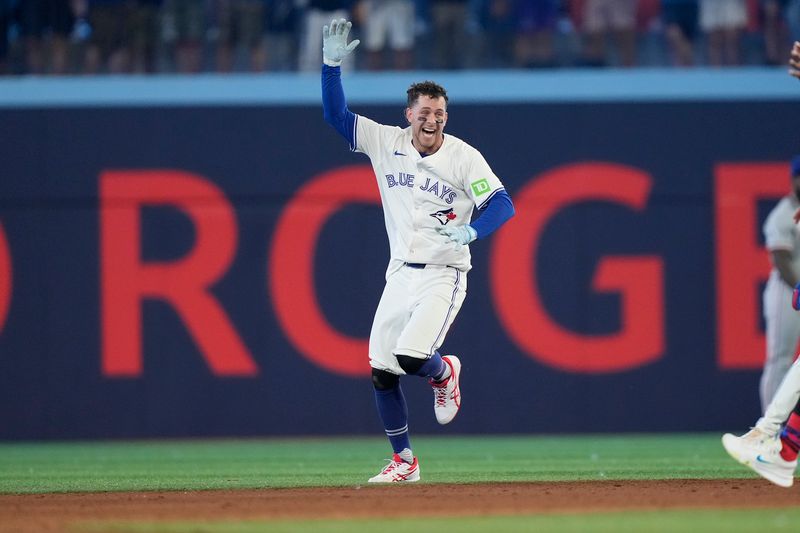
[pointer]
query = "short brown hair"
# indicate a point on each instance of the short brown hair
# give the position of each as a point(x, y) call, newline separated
point(427, 88)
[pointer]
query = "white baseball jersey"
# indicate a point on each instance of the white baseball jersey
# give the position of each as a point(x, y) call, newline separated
point(782, 322)
point(420, 194)
point(780, 231)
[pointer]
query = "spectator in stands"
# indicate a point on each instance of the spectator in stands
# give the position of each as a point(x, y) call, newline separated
point(145, 35)
point(45, 26)
point(792, 13)
point(451, 47)
point(616, 18)
point(109, 48)
point(281, 34)
point(184, 30)
point(6, 14)
point(389, 22)
point(680, 29)
point(536, 22)
point(317, 14)
point(241, 24)
point(723, 21)
point(498, 24)
point(776, 36)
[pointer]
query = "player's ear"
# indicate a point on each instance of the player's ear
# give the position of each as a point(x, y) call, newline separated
point(408, 115)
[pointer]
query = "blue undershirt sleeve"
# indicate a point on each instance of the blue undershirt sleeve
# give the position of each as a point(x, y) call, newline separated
point(334, 106)
point(497, 211)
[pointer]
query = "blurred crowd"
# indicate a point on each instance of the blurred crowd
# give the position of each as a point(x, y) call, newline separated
point(52, 37)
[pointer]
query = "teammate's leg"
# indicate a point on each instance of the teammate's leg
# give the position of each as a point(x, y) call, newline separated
point(782, 332)
point(790, 436)
point(782, 404)
point(762, 449)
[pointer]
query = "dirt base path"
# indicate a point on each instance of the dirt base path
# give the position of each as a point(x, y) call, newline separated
point(55, 512)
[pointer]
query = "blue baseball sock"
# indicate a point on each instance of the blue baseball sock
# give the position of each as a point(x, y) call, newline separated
point(394, 414)
point(435, 368)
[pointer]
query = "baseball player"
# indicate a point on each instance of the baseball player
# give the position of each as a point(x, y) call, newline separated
point(766, 449)
point(782, 325)
point(429, 184)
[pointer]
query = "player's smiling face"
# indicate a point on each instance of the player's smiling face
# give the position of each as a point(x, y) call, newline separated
point(428, 117)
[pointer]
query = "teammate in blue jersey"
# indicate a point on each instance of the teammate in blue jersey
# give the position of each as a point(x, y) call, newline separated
point(429, 184)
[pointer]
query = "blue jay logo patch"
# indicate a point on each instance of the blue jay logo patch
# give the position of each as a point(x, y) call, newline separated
point(444, 216)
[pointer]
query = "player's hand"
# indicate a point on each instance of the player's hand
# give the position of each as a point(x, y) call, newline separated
point(334, 42)
point(794, 60)
point(796, 216)
point(459, 234)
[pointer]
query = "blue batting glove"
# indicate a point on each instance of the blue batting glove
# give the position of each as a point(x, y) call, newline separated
point(796, 297)
point(459, 234)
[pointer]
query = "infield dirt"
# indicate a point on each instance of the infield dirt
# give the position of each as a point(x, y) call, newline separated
point(63, 512)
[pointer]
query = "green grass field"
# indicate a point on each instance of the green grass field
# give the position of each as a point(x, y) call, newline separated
point(238, 464)
point(31, 468)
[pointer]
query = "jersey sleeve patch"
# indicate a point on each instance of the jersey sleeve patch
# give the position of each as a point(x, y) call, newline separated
point(480, 187)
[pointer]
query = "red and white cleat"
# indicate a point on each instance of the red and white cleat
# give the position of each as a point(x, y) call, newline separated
point(397, 471)
point(447, 394)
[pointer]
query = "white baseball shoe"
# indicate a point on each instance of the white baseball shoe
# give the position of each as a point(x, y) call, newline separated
point(397, 471)
point(447, 394)
point(761, 453)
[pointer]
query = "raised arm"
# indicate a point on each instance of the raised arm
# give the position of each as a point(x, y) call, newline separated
point(334, 106)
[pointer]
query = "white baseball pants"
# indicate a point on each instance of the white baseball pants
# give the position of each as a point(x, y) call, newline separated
point(416, 310)
point(783, 331)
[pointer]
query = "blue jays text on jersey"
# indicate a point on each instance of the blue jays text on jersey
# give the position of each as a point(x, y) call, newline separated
point(448, 194)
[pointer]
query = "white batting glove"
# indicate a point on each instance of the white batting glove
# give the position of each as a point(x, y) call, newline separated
point(334, 42)
point(459, 234)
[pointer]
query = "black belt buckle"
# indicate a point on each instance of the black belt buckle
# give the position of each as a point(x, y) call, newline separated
point(415, 265)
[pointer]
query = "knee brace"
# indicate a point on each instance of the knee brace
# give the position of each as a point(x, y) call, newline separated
point(410, 365)
point(383, 380)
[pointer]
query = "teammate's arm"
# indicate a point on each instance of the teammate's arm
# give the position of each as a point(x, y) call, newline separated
point(334, 106)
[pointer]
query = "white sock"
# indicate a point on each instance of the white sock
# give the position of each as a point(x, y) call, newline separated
point(407, 455)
